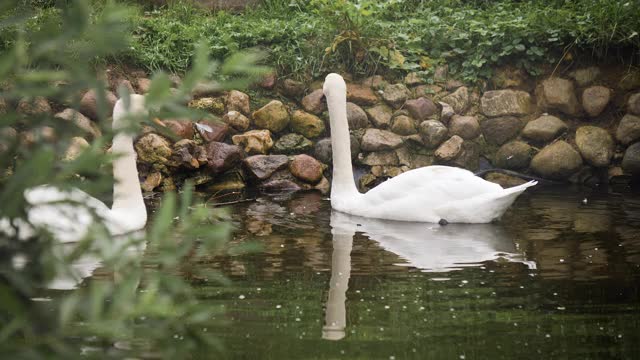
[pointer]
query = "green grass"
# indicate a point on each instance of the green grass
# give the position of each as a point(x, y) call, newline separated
point(306, 39)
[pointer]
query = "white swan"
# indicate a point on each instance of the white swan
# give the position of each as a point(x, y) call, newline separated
point(427, 194)
point(69, 214)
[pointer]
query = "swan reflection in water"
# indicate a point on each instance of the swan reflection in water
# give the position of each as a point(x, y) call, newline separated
point(429, 247)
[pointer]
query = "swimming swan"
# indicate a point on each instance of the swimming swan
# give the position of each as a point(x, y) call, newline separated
point(427, 194)
point(69, 214)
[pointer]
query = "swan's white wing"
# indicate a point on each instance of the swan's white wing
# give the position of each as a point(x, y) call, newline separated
point(66, 214)
point(417, 194)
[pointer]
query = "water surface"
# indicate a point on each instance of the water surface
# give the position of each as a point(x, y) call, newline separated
point(558, 277)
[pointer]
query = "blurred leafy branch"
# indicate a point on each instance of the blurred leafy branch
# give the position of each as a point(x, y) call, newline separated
point(145, 305)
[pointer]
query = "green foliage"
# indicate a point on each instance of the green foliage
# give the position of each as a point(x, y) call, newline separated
point(308, 39)
point(52, 55)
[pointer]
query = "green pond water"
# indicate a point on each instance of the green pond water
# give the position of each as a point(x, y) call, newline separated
point(557, 278)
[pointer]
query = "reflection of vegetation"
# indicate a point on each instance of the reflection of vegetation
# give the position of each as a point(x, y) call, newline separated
point(309, 38)
point(51, 53)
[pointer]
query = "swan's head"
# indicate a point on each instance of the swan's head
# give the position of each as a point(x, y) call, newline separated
point(334, 85)
point(134, 106)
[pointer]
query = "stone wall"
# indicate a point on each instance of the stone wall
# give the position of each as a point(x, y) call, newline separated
point(578, 127)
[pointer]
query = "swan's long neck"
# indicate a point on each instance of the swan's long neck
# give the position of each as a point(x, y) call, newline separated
point(342, 183)
point(126, 189)
point(127, 193)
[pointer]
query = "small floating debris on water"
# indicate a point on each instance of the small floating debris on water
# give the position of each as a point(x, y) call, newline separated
point(278, 306)
point(585, 201)
point(241, 297)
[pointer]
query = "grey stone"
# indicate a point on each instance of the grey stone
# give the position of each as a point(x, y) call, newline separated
point(388, 157)
point(505, 102)
point(433, 133)
point(544, 128)
point(82, 122)
point(585, 76)
point(380, 116)
point(263, 166)
point(356, 117)
point(557, 94)
point(447, 113)
point(292, 88)
point(375, 140)
point(396, 94)
point(515, 155)
point(629, 129)
point(595, 99)
point(557, 161)
point(595, 144)
point(459, 100)
point(633, 105)
point(631, 160)
point(499, 130)
point(292, 144)
point(236, 120)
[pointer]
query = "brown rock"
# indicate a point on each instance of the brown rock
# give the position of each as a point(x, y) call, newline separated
point(254, 141)
point(306, 168)
point(212, 130)
point(450, 149)
point(36, 106)
point(292, 88)
point(89, 104)
point(506, 181)
point(125, 84)
point(236, 120)
point(314, 102)
point(421, 108)
point(81, 121)
point(361, 95)
point(208, 104)
point(595, 99)
point(403, 125)
point(467, 127)
point(152, 181)
point(279, 185)
point(376, 82)
point(586, 76)
point(273, 116)
point(238, 101)
point(508, 77)
point(268, 82)
point(181, 128)
point(153, 149)
point(144, 85)
point(308, 125)
point(413, 79)
point(222, 157)
point(186, 153)
point(76, 146)
point(631, 160)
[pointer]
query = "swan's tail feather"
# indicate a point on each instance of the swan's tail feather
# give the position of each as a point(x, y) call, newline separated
point(482, 208)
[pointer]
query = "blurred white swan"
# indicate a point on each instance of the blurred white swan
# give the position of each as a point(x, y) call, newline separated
point(427, 194)
point(69, 214)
